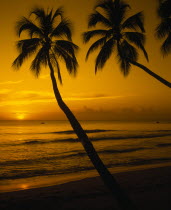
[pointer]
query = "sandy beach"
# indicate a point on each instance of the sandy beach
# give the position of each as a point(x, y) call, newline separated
point(149, 189)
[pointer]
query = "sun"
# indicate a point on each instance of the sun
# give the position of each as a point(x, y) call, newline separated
point(24, 186)
point(20, 116)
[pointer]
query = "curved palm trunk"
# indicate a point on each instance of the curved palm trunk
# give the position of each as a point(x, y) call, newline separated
point(165, 82)
point(123, 200)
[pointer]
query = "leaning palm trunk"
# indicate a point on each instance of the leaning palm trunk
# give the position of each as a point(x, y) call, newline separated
point(123, 200)
point(165, 82)
point(46, 46)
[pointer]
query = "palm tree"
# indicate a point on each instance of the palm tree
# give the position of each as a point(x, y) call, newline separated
point(163, 30)
point(118, 33)
point(49, 39)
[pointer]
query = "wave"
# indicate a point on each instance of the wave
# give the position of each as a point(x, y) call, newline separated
point(164, 145)
point(15, 174)
point(87, 131)
point(82, 154)
point(34, 142)
point(143, 136)
point(119, 137)
point(67, 132)
point(43, 172)
point(93, 139)
point(43, 141)
point(75, 153)
point(137, 162)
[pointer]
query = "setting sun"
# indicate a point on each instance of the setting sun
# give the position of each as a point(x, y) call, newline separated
point(20, 116)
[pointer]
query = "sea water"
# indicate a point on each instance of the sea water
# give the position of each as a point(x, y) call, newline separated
point(36, 153)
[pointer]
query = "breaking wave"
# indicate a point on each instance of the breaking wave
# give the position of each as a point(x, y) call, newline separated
point(73, 169)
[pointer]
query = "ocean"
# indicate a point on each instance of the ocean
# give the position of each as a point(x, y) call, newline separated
point(42, 153)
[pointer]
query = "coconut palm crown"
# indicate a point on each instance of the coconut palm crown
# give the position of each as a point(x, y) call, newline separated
point(163, 30)
point(117, 33)
point(120, 34)
point(49, 37)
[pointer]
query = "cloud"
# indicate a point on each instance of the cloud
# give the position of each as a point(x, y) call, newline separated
point(4, 94)
point(124, 113)
point(4, 91)
point(45, 76)
point(9, 97)
point(34, 95)
point(10, 82)
point(92, 97)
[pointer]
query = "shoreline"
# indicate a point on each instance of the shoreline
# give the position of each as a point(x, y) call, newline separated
point(148, 188)
point(55, 180)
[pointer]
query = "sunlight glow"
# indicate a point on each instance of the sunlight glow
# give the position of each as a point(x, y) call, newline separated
point(24, 186)
point(20, 116)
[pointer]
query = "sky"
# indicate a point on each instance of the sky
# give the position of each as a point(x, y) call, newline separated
point(104, 96)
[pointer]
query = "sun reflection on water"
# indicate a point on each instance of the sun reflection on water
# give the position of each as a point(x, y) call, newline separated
point(24, 186)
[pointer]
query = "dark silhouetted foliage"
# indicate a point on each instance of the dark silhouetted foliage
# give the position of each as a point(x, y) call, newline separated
point(114, 32)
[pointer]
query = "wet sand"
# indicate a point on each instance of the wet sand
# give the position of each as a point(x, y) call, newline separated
point(149, 189)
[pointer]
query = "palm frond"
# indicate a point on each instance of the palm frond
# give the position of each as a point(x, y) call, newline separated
point(38, 12)
point(108, 7)
point(164, 28)
point(104, 4)
point(40, 15)
point(56, 66)
point(127, 52)
point(17, 63)
point(90, 34)
point(135, 37)
point(114, 10)
point(26, 47)
point(138, 39)
point(134, 22)
point(119, 14)
point(40, 59)
point(67, 46)
point(125, 67)
point(144, 51)
point(166, 46)
point(26, 25)
point(104, 54)
point(95, 45)
point(59, 72)
point(28, 44)
point(70, 61)
point(164, 9)
point(96, 17)
point(58, 12)
point(63, 29)
point(44, 19)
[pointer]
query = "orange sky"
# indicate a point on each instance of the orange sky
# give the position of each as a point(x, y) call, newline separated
point(108, 95)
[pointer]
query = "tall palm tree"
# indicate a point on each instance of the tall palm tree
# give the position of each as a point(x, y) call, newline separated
point(163, 30)
point(117, 33)
point(49, 39)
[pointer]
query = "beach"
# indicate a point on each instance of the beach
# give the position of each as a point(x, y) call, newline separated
point(148, 188)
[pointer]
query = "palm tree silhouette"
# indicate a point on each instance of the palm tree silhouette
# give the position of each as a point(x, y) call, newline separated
point(50, 40)
point(118, 34)
point(163, 30)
